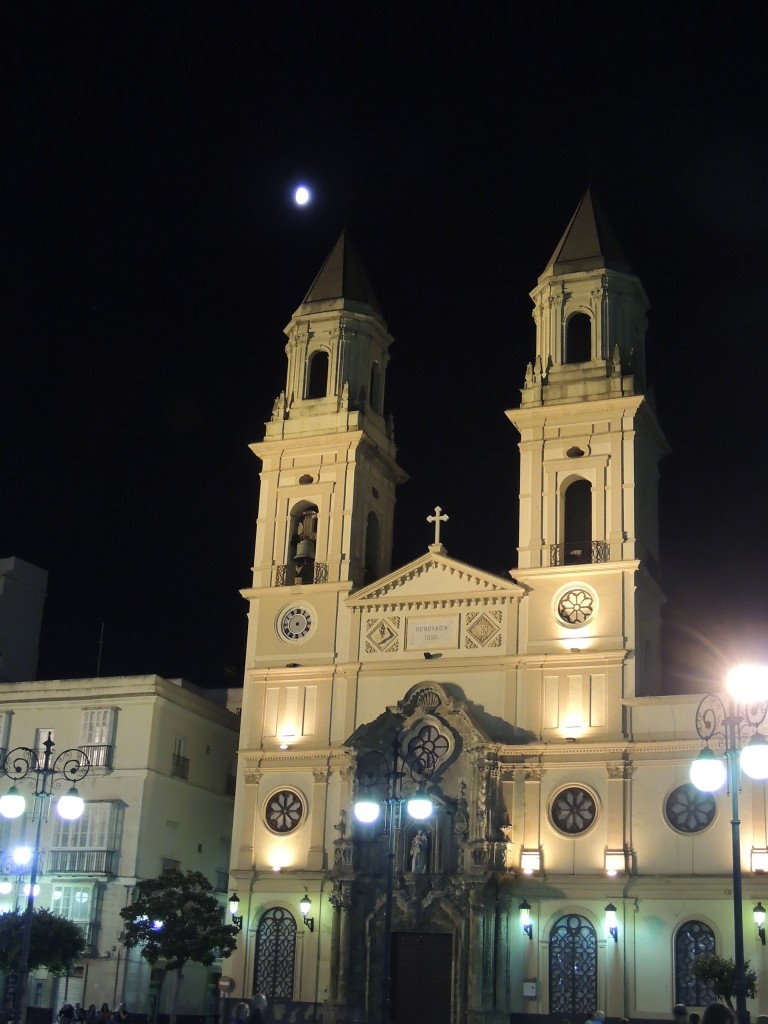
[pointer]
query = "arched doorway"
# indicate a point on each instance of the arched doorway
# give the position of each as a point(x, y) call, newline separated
point(572, 968)
point(275, 954)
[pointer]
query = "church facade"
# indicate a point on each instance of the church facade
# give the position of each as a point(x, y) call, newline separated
point(568, 864)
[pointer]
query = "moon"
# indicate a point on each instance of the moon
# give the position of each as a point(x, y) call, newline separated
point(302, 195)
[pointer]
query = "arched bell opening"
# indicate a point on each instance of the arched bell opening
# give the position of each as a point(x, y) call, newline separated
point(317, 375)
point(578, 339)
point(577, 523)
point(302, 544)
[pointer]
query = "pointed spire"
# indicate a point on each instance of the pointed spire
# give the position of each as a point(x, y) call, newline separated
point(588, 243)
point(342, 278)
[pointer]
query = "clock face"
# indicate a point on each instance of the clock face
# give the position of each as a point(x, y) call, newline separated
point(295, 623)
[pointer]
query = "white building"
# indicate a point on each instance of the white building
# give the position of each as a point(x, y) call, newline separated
point(159, 793)
point(22, 598)
point(560, 779)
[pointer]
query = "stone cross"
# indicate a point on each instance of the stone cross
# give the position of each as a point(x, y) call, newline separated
point(437, 518)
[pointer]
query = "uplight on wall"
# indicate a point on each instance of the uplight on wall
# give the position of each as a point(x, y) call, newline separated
point(611, 923)
point(760, 858)
point(530, 861)
point(615, 863)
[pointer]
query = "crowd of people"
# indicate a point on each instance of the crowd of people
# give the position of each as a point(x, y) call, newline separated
point(78, 1014)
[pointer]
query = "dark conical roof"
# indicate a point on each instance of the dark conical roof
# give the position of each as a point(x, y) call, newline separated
point(343, 277)
point(588, 243)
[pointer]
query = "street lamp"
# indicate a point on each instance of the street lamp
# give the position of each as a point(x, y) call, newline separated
point(734, 718)
point(42, 775)
point(375, 771)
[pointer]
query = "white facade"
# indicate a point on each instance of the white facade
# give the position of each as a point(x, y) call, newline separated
point(533, 697)
point(22, 598)
point(159, 793)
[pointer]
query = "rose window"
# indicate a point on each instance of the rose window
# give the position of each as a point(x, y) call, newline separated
point(576, 607)
point(573, 811)
point(284, 811)
point(688, 809)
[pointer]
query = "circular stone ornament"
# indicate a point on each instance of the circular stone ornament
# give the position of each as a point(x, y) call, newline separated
point(576, 606)
point(284, 811)
point(573, 810)
point(688, 810)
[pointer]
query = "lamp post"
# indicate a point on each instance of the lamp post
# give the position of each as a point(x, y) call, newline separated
point(42, 773)
point(734, 718)
point(416, 764)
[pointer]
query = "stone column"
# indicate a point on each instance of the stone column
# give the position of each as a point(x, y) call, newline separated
point(316, 855)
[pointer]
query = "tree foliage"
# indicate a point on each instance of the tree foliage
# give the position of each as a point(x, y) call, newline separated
point(54, 942)
point(719, 972)
point(177, 918)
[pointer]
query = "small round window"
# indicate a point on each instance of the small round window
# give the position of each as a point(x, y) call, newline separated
point(576, 606)
point(284, 811)
point(689, 810)
point(573, 811)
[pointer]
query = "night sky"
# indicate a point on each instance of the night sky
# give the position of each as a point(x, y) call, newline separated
point(152, 256)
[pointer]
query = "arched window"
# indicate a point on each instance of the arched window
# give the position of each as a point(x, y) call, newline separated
point(578, 339)
point(275, 954)
point(693, 939)
point(302, 543)
point(572, 967)
point(372, 545)
point(577, 523)
point(317, 377)
point(375, 390)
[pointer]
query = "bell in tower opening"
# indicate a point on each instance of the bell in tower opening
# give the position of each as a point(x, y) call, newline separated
point(303, 544)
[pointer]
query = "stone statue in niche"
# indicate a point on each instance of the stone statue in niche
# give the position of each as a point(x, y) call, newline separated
point(419, 853)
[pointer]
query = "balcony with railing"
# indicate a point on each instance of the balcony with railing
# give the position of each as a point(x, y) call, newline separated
point(579, 552)
point(89, 862)
point(180, 767)
point(170, 864)
point(99, 754)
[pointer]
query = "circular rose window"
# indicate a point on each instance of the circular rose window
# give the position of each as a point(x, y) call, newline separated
point(576, 606)
point(688, 809)
point(284, 811)
point(573, 811)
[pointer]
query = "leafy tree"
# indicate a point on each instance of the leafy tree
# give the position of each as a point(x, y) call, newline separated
point(175, 919)
point(54, 942)
point(719, 972)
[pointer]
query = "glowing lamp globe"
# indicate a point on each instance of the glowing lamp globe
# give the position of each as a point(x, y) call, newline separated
point(366, 811)
point(754, 757)
point(748, 684)
point(5, 886)
point(71, 805)
point(27, 887)
point(12, 803)
point(302, 195)
point(22, 855)
point(420, 806)
point(708, 771)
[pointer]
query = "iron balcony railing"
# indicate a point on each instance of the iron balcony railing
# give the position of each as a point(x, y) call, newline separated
point(169, 864)
point(287, 575)
point(579, 552)
point(180, 767)
point(89, 862)
point(99, 754)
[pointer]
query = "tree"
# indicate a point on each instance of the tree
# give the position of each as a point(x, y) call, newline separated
point(175, 919)
point(719, 972)
point(54, 942)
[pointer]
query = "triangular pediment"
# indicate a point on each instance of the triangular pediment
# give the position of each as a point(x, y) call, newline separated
point(435, 576)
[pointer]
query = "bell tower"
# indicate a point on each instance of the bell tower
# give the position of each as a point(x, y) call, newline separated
point(590, 447)
point(329, 473)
